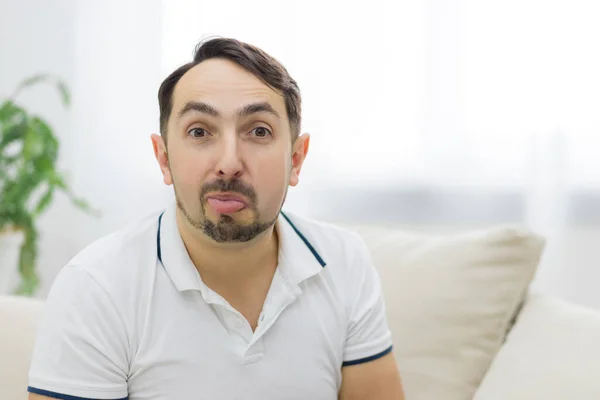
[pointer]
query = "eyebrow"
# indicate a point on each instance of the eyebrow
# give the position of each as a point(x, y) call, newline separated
point(245, 111)
point(199, 107)
point(254, 108)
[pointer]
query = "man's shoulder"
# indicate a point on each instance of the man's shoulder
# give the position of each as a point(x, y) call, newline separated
point(102, 279)
point(122, 250)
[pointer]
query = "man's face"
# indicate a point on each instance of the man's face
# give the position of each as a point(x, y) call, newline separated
point(229, 153)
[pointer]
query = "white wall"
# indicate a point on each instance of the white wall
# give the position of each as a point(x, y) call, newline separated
point(35, 37)
point(114, 59)
point(118, 60)
point(109, 55)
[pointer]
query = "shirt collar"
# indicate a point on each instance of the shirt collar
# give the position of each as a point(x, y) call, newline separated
point(298, 259)
point(173, 255)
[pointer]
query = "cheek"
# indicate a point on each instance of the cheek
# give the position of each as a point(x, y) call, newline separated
point(187, 171)
point(273, 180)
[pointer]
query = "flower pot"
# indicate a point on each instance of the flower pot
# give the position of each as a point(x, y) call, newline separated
point(10, 246)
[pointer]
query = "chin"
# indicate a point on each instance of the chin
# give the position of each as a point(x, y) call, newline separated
point(242, 217)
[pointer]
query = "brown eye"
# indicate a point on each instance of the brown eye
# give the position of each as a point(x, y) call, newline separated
point(261, 132)
point(198, 133)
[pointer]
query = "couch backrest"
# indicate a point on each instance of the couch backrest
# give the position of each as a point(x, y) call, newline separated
point(18, 324)
point(450, 300)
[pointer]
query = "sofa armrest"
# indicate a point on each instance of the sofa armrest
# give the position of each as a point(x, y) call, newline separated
point(552, 353)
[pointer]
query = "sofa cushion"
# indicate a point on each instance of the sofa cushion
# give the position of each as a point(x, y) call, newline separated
point(450, 300)
point(551, 353)
point(18, 324)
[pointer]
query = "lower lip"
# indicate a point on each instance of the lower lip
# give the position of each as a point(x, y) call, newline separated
point(226, 206)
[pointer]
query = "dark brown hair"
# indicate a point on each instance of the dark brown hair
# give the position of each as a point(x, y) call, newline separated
point(249, 57)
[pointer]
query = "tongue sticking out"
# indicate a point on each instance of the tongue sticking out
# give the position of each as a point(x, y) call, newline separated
point(225, 206)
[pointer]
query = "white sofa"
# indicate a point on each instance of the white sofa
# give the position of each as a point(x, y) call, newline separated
point(464, 323)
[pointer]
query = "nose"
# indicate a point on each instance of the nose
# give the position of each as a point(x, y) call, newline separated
point(229, 164)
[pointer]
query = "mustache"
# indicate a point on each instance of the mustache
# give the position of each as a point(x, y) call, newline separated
point(234, 186)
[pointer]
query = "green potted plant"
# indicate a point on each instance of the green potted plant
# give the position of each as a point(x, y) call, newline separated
point(28, 181)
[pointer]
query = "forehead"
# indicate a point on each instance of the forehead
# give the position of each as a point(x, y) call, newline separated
point(224, 85)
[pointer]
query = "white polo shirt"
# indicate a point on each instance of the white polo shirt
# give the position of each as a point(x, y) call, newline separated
point(130, 318)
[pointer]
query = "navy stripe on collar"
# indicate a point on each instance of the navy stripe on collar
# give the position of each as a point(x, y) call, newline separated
point(158, 251)
point(60, 396)
point(306, 242)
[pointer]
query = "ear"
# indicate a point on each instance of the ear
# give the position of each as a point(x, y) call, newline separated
point(299, 152)
point(160, 152)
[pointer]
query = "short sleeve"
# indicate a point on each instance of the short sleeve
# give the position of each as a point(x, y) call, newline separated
point(368, 336)
point(81, 348)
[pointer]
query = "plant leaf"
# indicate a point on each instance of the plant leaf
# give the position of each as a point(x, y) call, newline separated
point(8, 111)
point(64, 92)
point(60, 85)
point(83, 205)
point(27, 258)
point(58, 181)
point(49, 141)
point(33, 145)
point(44, 202)
point(28, 82)
point(8, 160)
point(12, 132)
point(80, 203)
point(33, 80)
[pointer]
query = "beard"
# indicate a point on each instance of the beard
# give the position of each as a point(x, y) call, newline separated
point(227, 229)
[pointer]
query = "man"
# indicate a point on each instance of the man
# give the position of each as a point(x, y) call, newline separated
point(222, 295)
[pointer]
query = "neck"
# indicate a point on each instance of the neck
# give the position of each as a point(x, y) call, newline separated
point(232, 264)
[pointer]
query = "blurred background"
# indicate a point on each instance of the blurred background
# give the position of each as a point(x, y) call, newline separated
point(428, 115)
